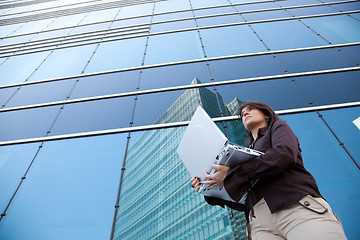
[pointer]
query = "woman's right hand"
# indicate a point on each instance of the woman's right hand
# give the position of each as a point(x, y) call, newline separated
point(195, 183)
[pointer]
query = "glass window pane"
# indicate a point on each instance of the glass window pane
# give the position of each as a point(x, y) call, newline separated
point(50, 34)
point(170, 76)
point(200, 3)
point(347, 6)
point(273, 92)
point(44, 93)
point(245, 67)
point(129, 22)
point(163, 205)
point(98, 16)
point(66, 21)
point(28, 123)
point(296, 2)
point(336, 29)
point(10, 71)
point(5, 94)
point(287, 35)
point(249, 7)
point(353, 52)
point(105, 84)
point(321, 59)
point(212, 11)
point(117, 54)
point(35, 26)
point(70, 191)
point(265, 15)
point(135, 10)
point(170, 16)
point(172, 26)
point(89, 28)
point(19, 39)
point(94, 116)
point(14, 160)
point(337, 178)
point(73, 61)
point(342, 123)
point(230, 41)
point(173, 47)
point(210, 21)
point(166, 6)
point(167, 103)
point(312, 10)
point(346, 90)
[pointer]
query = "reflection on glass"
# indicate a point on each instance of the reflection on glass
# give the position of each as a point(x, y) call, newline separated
point(347, 6)
point(130, 22)
point(287, 35)
point(170, 76)
point(164, 205)
point(272, 92)
point(105, 84)
point(117, 55)
point(73, 61)
point(25, 95)
point(346, 90)
point(232, 41)
point(10, 71)
point(321, 59)
point(29, 123)
point(14, 160)
point(337, 178)
point(245, 67)
point(174, 47)
point(69, 192)
point(336, 29)
point(249, 7)
point(94, 116)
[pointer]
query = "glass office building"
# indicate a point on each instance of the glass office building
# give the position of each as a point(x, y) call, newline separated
point(95, 96)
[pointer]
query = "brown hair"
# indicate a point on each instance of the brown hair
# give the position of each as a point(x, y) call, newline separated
point(263, 107)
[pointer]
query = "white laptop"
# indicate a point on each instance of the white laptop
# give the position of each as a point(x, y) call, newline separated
point(203, 144)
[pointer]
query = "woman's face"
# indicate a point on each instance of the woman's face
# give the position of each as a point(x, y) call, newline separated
point(253, 118)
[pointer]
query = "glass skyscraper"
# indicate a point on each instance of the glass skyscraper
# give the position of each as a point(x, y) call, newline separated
point(95, 96)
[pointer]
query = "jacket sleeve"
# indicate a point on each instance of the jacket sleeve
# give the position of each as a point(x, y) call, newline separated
point(281, 155)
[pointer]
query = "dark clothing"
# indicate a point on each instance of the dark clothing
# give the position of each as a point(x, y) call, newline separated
point(283, 180)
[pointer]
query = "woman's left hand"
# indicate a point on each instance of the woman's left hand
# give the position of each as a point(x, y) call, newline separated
point(216, 179)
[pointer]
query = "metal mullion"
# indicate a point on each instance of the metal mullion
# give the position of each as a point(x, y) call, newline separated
point(127, 18)
point(48, 8)
point(181, 62)
point(236, 24)
point(75, 45)
point(170, 125)
point(66, 37)
point(72, 40)
point(183, 87)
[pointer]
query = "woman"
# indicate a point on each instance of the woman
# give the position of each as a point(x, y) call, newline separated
point(285, 203)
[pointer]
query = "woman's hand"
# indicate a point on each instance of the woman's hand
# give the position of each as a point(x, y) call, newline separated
point(195, 183)
point(216, 179)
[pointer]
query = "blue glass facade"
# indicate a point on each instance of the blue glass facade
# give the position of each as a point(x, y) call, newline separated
point(94, 95)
